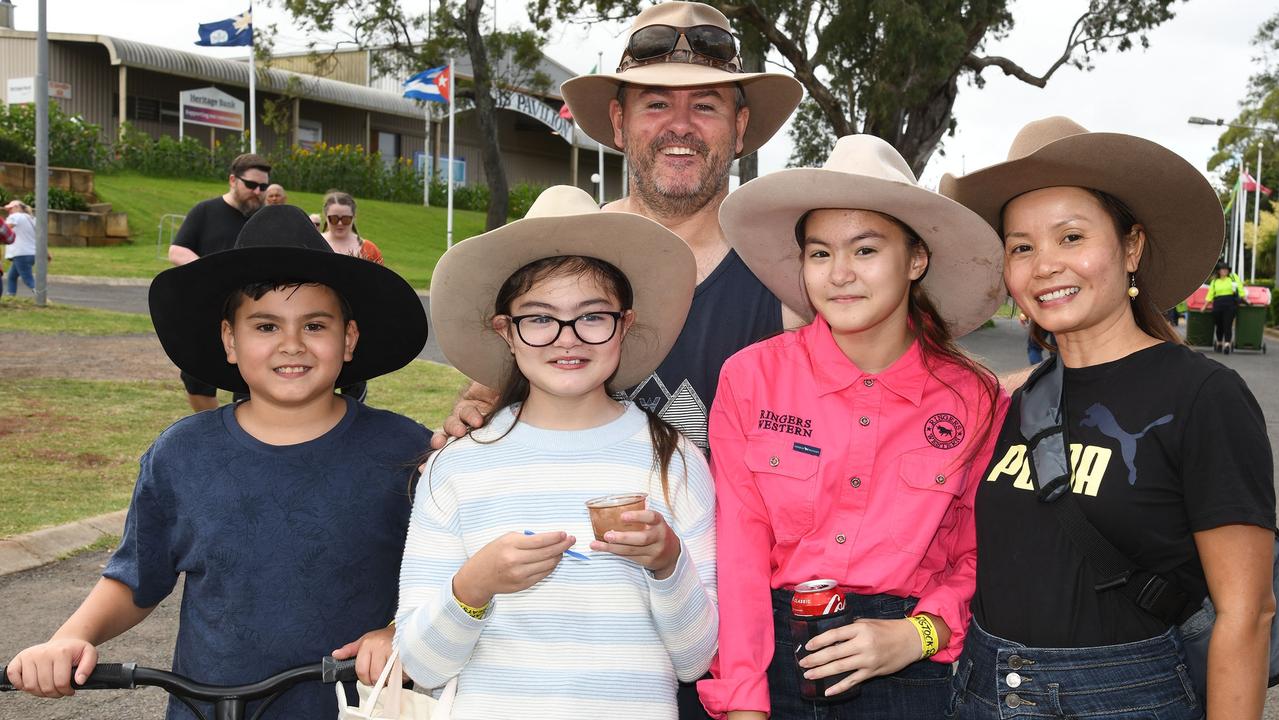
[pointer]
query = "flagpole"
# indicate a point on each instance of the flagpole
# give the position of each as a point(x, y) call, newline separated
point(449, 175)
point(426, 157)
point(253, 85)
point(1256, 216)
point(1242, 214)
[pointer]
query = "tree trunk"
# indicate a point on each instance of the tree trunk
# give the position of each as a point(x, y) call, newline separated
point(916, 131)
point(753, 49)
point(486, 111)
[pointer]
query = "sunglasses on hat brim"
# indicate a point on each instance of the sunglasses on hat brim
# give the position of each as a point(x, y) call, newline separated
point(708, 45)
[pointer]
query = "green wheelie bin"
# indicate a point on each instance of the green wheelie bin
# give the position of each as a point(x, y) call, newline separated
point(1199, 328)
point(1250, 328)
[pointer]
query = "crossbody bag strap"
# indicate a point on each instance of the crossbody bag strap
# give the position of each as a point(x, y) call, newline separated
point(1043, 423)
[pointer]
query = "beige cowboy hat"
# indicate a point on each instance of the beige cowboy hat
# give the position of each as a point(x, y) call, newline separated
point(1168, 196)
point(964, 277)
point(772, 97)
point(563, 221)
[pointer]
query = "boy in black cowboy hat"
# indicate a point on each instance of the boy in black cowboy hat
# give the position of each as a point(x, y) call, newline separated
point(287, 512)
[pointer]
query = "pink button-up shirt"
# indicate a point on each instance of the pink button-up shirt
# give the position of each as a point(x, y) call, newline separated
point(824, 471)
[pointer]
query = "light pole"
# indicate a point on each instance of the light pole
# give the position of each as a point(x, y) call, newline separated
point(1256, 207)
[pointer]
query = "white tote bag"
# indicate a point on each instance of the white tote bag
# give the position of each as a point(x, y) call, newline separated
point(388, 700)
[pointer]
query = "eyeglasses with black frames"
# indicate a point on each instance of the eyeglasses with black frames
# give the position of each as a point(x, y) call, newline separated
point(593, 328)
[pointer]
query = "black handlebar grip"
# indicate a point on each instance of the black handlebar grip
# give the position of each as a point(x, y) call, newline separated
point(109, 676)
point(332, 670)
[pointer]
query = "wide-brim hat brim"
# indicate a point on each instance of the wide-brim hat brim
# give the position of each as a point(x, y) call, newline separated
point(187, 303)
point(658, 264)
point(771, 97)
point(1167, 195)
point(964, 278)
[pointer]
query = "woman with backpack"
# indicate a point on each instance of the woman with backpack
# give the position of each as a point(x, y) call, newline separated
point(1132, 483)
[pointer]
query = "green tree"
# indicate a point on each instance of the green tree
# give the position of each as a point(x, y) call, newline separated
point(892, 68)
point(1259, 108)
point(501, 61)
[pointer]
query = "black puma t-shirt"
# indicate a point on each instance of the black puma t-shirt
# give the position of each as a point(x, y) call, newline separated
point(1164, 443)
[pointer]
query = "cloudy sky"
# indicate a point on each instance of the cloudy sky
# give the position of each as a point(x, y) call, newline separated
point(1197, 64)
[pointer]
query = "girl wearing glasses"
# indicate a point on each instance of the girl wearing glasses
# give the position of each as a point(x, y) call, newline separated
point(340, 231)
point(1099, 539)
point(849, 450)
point(501, 585)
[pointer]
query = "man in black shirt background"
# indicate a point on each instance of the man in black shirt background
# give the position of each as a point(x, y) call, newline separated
point(212, 226)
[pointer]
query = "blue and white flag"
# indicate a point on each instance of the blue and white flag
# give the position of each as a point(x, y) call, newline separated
point(434, 85)
point(228, 33)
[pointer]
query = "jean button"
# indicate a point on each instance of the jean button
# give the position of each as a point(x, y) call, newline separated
point(1013, 680)
point(1013, 700)
point(1014, 662)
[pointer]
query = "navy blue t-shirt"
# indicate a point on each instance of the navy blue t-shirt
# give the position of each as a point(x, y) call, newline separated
point(731, 309)
point(289, 551)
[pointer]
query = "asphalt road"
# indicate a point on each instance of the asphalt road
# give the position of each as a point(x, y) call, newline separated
point(35, 602)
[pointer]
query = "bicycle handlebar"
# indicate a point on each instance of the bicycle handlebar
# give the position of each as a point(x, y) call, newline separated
point(126, 676)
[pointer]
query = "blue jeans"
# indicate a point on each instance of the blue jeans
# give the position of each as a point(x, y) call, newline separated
point(917, 691)
point(1145, 680)
point(21, 265)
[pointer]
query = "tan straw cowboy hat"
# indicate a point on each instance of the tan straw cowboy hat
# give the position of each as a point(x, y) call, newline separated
point(563, 221)
point(964, 277)
point(1167, 195)
point(771, 97)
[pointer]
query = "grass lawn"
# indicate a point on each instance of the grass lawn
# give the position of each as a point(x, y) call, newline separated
point(22, 315)
point(411, 237)
point(71, 446)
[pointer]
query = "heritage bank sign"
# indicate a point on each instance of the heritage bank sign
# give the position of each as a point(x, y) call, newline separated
point(211, 107)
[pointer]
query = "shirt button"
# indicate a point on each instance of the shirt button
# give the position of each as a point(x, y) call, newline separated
point(1013, 700)
point(773, 461)
point(868, 383)
point(840, 538)
point(1013, 680)
point(864, 421)
point(940, 479)
point(855, 482)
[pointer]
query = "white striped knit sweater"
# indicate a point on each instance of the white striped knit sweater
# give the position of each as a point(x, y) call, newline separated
point(596, 638)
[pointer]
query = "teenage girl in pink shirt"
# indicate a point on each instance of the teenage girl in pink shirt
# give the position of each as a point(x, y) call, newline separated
point(851, 448)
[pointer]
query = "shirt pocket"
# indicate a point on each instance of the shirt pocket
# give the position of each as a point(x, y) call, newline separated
point(787, 481)
point(926, 487)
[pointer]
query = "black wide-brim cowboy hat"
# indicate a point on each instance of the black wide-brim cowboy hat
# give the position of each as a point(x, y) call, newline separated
point(280, 244)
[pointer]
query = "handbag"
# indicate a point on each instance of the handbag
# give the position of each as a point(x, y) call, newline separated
point(388, 699)
point(1043, 424)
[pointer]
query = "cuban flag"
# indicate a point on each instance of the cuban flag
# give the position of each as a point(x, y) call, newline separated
point(434, 85)
point(227, 33)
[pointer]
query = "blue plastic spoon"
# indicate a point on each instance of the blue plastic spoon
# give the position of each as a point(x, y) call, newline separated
point(570, 553)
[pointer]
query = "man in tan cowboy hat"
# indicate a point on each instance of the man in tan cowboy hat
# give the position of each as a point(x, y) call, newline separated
point(681, 109)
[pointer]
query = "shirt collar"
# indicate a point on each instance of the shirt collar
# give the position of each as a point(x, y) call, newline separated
point(833, 371)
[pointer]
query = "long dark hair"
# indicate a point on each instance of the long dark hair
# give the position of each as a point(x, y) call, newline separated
point(1148, 317)
point(515, 387)
point(936, 345)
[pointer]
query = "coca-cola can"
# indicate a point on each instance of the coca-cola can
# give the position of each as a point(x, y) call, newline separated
point(816, 598)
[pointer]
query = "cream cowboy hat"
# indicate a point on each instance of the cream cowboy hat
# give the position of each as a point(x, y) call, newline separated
point(563, 221)
point(964, 277)
point(1167, 195)
point(772, 97)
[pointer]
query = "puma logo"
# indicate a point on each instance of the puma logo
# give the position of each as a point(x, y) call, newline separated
point(1100, 417)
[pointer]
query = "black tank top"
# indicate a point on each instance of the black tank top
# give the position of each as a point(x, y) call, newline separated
point(731, 309)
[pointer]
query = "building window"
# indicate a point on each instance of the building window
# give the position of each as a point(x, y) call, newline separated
point(388, 146)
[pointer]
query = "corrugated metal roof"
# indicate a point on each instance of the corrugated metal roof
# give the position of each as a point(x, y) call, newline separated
point(232, 72)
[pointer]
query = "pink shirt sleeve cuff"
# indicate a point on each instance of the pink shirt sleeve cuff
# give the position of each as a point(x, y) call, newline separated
point(720, 695)
point(943, 603)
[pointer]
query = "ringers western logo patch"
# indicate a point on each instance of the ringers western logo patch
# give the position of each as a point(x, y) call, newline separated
point(789, 424)
point(944, 431)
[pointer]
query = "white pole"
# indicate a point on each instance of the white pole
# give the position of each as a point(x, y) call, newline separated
point(42, 157)
point(448, 176)
point(600, 64)
point(1256, 217)
point(253, 89)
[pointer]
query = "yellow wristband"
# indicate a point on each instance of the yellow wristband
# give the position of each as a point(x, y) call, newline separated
point(927, 634)
point(475, 612)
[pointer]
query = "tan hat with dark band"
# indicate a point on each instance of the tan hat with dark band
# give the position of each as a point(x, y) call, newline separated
point(771, 97)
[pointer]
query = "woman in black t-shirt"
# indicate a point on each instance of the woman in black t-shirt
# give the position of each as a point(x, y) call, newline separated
point(1169, 456)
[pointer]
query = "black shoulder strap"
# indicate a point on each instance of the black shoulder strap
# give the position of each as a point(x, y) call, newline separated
point(1043, 424)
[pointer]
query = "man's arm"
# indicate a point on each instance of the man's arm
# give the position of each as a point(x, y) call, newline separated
point(179, 255)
